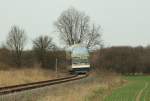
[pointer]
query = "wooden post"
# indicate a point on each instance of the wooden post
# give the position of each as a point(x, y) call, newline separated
point(56, 67)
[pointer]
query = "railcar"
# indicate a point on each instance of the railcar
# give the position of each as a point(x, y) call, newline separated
point(77, 58)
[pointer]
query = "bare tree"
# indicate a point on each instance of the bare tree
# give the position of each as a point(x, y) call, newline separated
point(16, 42)
point(93, 38)
point(74, 28)
point(41, 46)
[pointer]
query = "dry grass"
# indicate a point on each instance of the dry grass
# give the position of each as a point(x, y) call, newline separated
point(93, 88)
point(25, 75)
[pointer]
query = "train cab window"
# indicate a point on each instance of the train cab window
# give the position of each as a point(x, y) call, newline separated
point(75, 60)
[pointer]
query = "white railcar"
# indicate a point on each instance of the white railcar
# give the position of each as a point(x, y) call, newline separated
point(77, 57)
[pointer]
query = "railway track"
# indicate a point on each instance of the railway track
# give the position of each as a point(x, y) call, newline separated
point(29, 86)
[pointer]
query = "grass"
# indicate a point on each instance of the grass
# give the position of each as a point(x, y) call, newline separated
point(146, 93)
point(25, 75)
point(131, 91)
point(80, 90)
point(102, 87)
point(83, 90)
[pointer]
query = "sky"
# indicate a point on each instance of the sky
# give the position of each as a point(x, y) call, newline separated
point(123, 22)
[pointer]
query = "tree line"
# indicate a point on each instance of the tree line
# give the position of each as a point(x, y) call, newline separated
point(124, 60)
point(30, 59)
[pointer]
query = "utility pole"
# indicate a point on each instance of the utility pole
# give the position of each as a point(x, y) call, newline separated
point(56, 67)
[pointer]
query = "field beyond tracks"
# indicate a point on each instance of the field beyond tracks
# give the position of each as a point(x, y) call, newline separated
point(137, 89)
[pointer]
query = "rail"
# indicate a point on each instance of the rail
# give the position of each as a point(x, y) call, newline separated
point(29, 86)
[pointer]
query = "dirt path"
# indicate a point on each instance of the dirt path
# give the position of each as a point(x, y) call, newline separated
point(141, 91)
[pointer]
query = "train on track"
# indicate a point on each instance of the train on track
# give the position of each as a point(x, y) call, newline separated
point(77, 58)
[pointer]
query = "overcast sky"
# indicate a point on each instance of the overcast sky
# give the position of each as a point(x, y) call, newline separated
point(124, 22)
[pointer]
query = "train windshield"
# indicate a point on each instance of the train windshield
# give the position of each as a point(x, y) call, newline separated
point(80, 55)
point(79, 61)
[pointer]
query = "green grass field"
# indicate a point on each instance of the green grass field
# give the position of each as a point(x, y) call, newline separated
point(137, 89)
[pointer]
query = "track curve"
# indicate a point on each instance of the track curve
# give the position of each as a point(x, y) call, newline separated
point(29, 86)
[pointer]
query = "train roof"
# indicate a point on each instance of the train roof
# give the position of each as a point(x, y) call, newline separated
point(76, 46)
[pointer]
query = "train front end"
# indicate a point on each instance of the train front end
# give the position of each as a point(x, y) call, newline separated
point(79, 60)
